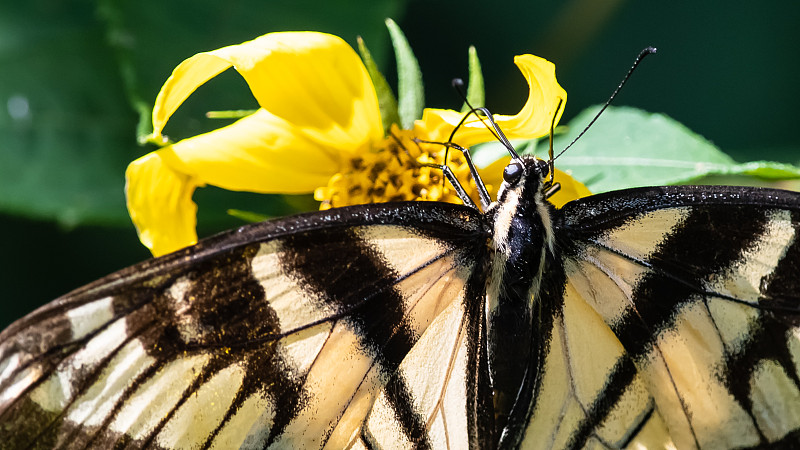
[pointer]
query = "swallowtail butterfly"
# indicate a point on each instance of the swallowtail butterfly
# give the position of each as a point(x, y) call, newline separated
point(660, 317)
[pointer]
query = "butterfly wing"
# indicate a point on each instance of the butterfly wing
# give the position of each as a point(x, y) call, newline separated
point(346, 328)
point(673, 314)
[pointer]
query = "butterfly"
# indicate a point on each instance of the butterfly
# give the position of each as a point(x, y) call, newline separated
point(659, 317)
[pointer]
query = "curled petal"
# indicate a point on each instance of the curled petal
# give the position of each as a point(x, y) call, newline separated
point(314, 81)
point(533, 120)
point(546, 100)
point(160, 203)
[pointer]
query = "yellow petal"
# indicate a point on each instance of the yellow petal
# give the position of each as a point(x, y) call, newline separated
point(314, 81)
point(532, 121)
point(492, 175)
point(259, 153)
point(571, 189)
point(160, 203)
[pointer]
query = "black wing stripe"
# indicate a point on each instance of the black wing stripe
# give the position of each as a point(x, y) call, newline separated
point(215, 319)
point(717, 268)
point(436, 370)
point(686, 291)
point(108, 438)
point(386, 314)
point(364, 377)
point(782, 286)
point(370, 383)
point(425, 286)
point(166, 342)
point(602, 382)
point(336, 287)
point(656, 299)
point(617, 384)
point(60, 400)
point(380, 325)
point(770, 337)
point(435, 373)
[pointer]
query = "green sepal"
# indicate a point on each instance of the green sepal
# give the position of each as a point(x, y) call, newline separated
point(476, 94)
point(144, 126)
point(230, 114)
point(386, 100)
point(411, 94)
point(247, 216)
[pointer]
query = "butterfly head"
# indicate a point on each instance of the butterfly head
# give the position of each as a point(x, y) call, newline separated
point(525, 173)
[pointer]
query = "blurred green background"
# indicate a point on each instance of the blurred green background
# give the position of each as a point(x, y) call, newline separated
point(75, 76)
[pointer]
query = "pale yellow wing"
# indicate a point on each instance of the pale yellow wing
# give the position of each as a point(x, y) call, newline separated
point(342, 328)
point(677, 327)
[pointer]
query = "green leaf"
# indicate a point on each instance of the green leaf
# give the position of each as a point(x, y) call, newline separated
point(386, 101)
point(411, 94)
point(765, 170)
point(68, 132)
point(117, 40)
point(475, 90)
point(628, 147)
point(80, 78)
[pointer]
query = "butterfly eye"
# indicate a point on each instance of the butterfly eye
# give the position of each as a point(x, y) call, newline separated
point(512, 172)
point(543, 167)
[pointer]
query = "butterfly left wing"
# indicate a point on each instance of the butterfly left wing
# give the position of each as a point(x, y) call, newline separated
point(349, 328)
point(671, 318)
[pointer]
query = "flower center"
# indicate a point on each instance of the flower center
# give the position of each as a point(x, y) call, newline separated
point(397, 171)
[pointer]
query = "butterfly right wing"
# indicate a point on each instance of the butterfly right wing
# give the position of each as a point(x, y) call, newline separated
point(308, 331)
point(671, 318)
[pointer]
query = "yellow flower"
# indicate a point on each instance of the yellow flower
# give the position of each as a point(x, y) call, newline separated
point(318, 129)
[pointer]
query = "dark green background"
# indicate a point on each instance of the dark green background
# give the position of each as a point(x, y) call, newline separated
point(728, 71)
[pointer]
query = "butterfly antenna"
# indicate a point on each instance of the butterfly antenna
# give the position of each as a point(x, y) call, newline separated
point(638, 60)
point(486, 118)
point(488, 121)
point(551, 162)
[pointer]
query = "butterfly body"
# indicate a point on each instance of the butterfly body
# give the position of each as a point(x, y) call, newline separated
point(657, 317)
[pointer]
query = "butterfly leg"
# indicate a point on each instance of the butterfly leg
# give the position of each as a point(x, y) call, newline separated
point(448, 173)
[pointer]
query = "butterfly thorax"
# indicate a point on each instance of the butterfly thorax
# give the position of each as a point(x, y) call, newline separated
point(522, 235)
